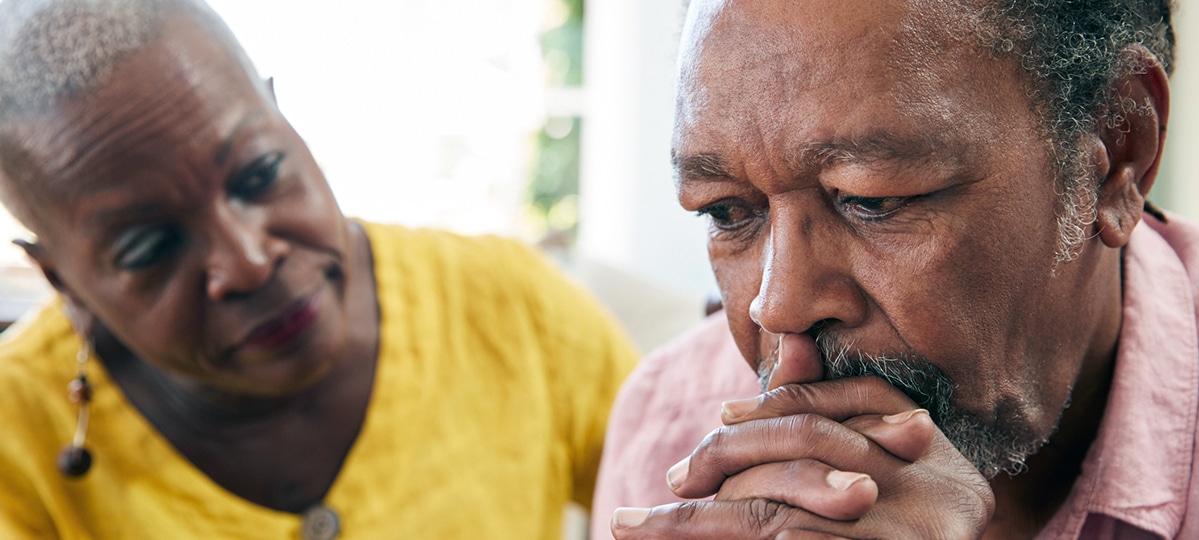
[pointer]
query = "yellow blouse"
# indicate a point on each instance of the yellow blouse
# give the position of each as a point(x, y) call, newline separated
point(491, 396)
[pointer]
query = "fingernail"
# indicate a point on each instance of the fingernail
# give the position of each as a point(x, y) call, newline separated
point(842, 480)
point(740, 407)
point(624, 518)
point(678, 473)
point(903, 416)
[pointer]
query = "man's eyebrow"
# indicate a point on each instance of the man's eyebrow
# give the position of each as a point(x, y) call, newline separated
point(701, 166)
point(872, 149)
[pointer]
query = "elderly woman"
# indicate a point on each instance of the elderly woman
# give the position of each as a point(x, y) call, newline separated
point(235, 358)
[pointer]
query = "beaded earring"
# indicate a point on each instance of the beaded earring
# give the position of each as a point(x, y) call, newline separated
point(75, 460)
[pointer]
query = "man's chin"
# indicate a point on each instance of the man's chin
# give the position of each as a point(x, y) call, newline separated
point(993, 447)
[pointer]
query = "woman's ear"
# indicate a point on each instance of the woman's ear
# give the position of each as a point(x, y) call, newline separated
point(1133, 133)
point(81, 318)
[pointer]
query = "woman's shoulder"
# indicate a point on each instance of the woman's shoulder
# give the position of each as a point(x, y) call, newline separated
point(37, 359)
point(392, 243)
point(40, 346)
point(431, 261)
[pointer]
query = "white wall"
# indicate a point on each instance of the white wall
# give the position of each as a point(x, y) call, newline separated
point(629, 217)
point(1178, 185)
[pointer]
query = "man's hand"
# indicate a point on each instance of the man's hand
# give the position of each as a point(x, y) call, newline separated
point(848, 458)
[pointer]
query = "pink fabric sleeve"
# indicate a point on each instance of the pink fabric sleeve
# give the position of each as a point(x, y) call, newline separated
point(665, 408)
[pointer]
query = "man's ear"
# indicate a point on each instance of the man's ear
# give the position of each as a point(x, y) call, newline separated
point(81, 318)
point(1133, 135)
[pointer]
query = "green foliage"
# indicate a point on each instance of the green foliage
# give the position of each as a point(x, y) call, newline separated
point(554, 175)
point(562, 46)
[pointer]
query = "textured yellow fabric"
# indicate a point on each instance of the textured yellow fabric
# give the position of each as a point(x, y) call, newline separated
point(491, 395)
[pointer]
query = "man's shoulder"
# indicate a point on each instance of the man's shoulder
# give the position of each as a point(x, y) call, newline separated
point(684, 382)
point(1182, 236)
point(665, 408)
point(703, 362)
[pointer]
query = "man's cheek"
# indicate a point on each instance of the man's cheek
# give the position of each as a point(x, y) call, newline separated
point(736, 296)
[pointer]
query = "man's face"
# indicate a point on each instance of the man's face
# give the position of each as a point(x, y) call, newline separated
point(180, 208)
point(876, 179)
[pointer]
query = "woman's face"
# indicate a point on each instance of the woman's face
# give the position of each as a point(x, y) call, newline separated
point(176, 205)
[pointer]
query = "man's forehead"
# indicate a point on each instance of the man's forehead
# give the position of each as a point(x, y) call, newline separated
point(779, 65)
point(811, 35)
point(757, 27)
point(736, 52)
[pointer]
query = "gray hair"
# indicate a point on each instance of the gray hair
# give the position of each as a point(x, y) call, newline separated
point(1073, 52)
point(54, 50)
point(999, 446)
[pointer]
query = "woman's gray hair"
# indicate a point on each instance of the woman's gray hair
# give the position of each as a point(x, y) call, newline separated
point(54, 50)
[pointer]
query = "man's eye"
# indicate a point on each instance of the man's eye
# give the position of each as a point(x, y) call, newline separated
point(729, 216)
point(256, 178)
point(145, 247)
point(873, 208)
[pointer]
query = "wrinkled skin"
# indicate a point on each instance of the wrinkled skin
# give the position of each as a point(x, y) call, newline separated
point(871, 173)
point(182, 211)
point(199, 247)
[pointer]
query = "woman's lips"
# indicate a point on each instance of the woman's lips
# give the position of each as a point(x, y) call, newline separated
point(287, 326)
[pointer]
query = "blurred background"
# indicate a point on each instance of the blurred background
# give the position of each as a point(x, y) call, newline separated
point(548, 120)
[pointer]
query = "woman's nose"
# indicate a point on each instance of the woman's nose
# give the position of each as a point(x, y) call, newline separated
point(243, 256)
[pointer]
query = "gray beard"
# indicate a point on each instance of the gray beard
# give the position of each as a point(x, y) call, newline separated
point(1000, 446)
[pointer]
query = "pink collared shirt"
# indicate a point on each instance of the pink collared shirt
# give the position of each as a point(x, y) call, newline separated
point(1138, 480)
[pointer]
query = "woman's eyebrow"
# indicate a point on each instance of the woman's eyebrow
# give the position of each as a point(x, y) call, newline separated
point(226, 148)
point(123, 213)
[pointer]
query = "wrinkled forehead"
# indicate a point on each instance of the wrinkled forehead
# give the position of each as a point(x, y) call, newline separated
point(68, 147)
point(184, 65)
point(742, 59)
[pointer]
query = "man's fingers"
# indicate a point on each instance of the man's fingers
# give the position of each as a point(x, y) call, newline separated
point(732, 449)
point(907, 435)
point(807, 535)
point(713, 520)
point(807, 484)
point(838, 399)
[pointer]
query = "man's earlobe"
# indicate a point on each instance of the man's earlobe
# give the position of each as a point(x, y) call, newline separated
point(1119, 207)
point(1133, 133)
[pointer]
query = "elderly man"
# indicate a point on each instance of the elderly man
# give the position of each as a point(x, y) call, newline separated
point(927, 226)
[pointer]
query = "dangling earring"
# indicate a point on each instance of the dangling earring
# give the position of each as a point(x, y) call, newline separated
point(75, 460)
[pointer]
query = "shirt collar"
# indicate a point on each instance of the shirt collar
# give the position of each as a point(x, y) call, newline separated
point(1139, 466)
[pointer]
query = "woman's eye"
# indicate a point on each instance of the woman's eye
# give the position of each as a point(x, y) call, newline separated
point(873, 208)
point(729, 216)
point(145, 247)
point(256, 178)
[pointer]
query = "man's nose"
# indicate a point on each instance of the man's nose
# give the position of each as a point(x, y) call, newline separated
point(806, 279)
point(242, 255)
